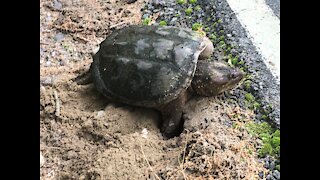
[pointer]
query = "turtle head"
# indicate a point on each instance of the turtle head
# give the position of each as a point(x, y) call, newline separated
point(214, 77)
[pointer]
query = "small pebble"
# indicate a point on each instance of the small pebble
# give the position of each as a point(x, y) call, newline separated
point(272, 165)
point(158, 2)
point(268, 177)
point(261, 175)
point(266, 165)
point(62, 62)
point(261, 85)
point(59, 37)
point(145, 16)
point(46, 80)
point(100, 114)
point(42, 160)
point(48, 17)
point(47, 63)
point(72, 154)
point(144, 133)
point(156, 10)
point(276, 174)
point(57, 5)
point(174, 19)
point(41, 51)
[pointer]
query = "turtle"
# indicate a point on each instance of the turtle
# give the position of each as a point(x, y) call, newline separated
point(157, 67)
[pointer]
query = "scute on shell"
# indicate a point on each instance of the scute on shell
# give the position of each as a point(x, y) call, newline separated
point(146, 65)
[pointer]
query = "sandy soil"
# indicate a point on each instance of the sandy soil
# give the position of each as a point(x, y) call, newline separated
point(84, 136)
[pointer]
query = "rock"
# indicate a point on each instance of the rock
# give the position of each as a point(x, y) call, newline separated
point(174, 20)
point(45, 80)
point(47, 63)
point(261, 175)
point(100, 114)
point(57, 5)
point(59, 37)
point(272, 165)
point(156, 10)
point(268, 177)
point(276, 174)
point(41, 51)
point(42, 160)
point(266, 165)
point(158, 2)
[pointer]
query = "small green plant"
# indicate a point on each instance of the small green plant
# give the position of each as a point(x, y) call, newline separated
point(235, 125)
point(247, 85)
point(256, 105)
point(264, 117)
point(213, 37)
point(192, 1)
point(228, 49)
point(181, 1)
point(234, 60)
point(188, 11)
point(278, 167)
point(207, 29)
point(196, 26)
point(146, 21)
point(219, 21)
point(222, 38)
point(198, 8)
point(271, 144)
point(214, 24)
point(66, 46)
point(241, 62)
point(270, 138)
point(222, 45)
point(162, 23)
point(249, 97)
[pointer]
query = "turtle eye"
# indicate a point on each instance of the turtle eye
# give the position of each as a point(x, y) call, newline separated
point(233, 75)
point(236, 74)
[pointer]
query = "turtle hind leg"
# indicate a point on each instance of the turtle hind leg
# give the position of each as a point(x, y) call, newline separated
point(172, 116)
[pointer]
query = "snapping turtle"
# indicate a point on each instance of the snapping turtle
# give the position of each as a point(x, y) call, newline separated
point(157, 67)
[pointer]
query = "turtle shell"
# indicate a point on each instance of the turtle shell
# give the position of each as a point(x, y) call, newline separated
point(146, 65)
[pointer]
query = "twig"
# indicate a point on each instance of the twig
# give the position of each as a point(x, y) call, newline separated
point(115, 25)
point(145, 158)
point(49, 147)
point(183, 157)
point(56, 98)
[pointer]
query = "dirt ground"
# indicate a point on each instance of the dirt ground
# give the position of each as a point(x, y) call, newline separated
point(83, 136)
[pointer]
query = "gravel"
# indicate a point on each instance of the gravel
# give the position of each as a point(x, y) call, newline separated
point(218, 18)
point(270, 93)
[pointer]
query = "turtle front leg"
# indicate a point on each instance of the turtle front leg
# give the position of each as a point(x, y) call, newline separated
point(172, 116)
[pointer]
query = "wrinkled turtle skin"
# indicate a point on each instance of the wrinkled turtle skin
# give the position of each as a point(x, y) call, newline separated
point(154, 66)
